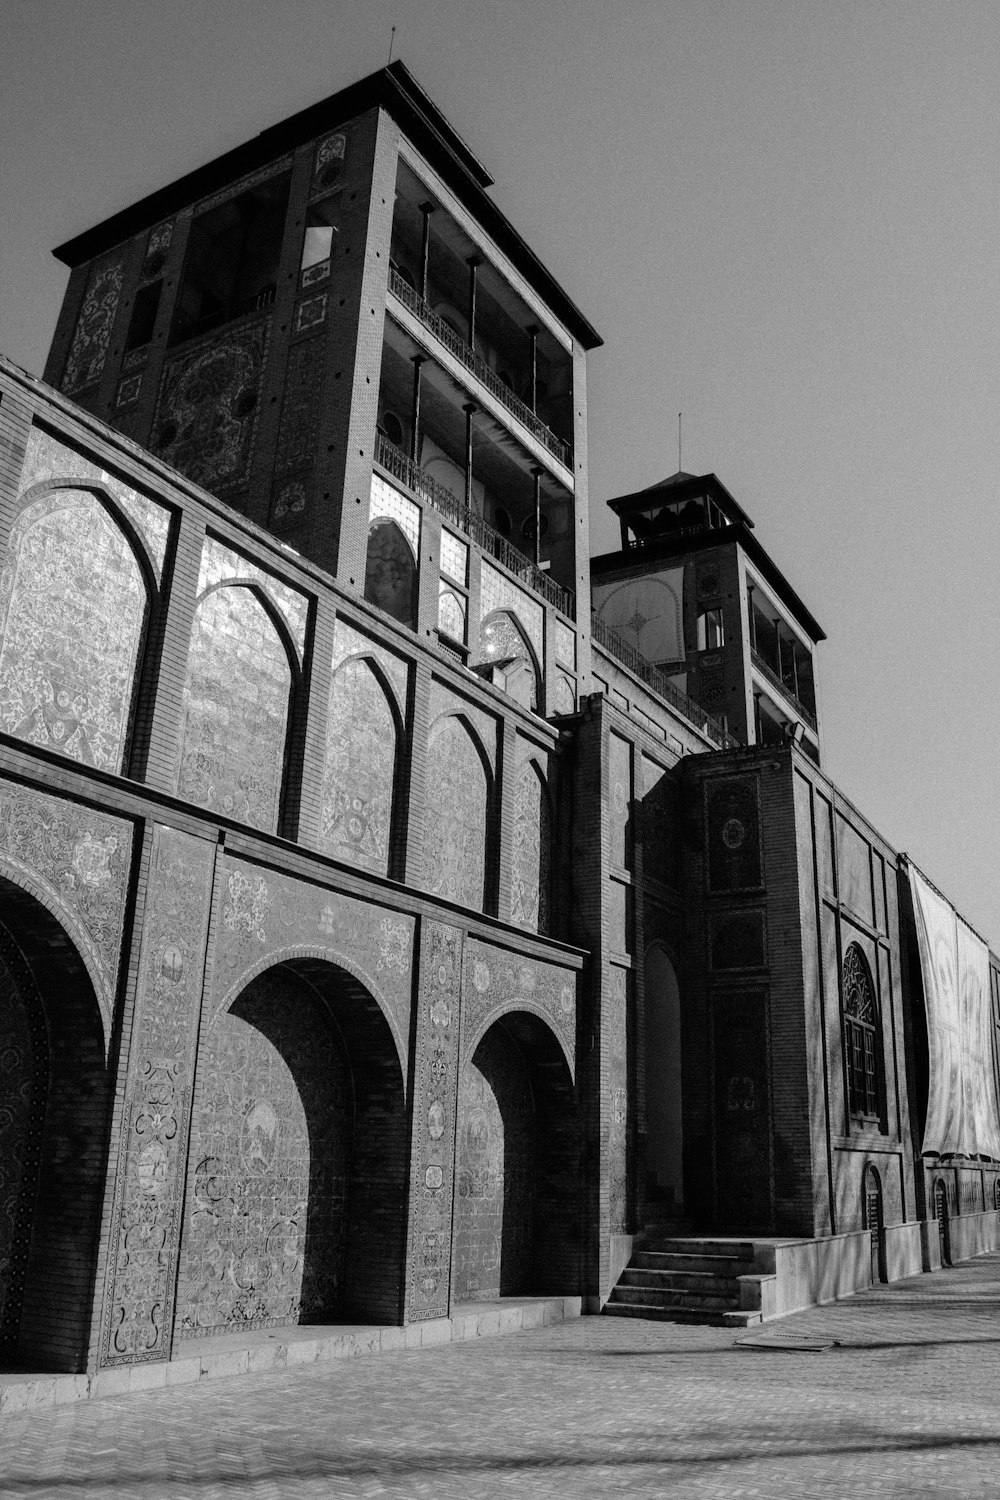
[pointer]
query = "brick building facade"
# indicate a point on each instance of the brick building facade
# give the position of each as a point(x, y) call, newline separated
point(382, 928)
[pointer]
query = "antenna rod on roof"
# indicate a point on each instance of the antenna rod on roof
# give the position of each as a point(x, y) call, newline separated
point(678, 442)
point(392, 39)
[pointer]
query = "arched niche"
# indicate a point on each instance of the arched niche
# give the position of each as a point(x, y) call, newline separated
point(236, 701)
point(297, 1168)
point(664, 1114)
point(531, 850)
point(391, 571)
point(517, 1208)
point(458, 794)
point(504, 646)
point(74, 601)
point(362, 754)
point(55, 1094)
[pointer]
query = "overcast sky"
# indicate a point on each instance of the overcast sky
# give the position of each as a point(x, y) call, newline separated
point(782, 217)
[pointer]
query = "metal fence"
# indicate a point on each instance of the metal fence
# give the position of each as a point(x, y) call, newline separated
point(629, 657)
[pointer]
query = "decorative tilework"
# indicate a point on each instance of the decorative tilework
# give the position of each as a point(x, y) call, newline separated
point(156, 251)
point(615, 1027)
point(531, 840)
point(207, 414)
point(359, 774)
point(349, 642)
point(315, 273)
point(565, 645)
point(300, 405)
point(451, 612)
point(434, 1116)
point(72, 613)
point(234, 189)
point(235, 706)
point(128, 390)
point(330, 155)
point(79, 861)
point(619, 802)
point(502, 640)
point(454, 558)
point(732, 818)
point(563, 695)
point(291, 501)
point(310, 313)
point(497, 980)
point(48, 459)
point(149, 1180)
point(457, 800)
point(389, 503)
point(443, 701)
point(498, 592)
point(89, 349)
point(219, 563)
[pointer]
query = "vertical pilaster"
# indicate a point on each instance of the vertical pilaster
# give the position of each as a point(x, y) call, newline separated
point(165, 723)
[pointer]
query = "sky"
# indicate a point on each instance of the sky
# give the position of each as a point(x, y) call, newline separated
point(782, 216)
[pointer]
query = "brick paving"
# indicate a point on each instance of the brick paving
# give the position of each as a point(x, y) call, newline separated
point(907, 1402)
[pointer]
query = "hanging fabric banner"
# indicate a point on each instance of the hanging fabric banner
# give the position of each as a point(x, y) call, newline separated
point(962, 1113)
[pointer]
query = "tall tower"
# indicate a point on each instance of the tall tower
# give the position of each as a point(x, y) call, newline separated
point(694, 593)
point(335, 330)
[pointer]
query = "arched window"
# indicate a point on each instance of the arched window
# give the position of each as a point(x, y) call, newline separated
point(861, 1049)
point(391, 571)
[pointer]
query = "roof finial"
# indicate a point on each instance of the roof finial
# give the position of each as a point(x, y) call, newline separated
point(392, 40)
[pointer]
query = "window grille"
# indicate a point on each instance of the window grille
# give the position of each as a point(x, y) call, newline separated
point(860, 1036)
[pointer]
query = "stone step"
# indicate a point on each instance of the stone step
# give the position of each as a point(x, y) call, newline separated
point(683, 1245)
point(665, 1260)
point(673, 1297)
point(733, 1319)
point(685, 1281)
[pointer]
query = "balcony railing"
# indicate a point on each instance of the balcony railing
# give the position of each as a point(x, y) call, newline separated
point(396, 463)
point(457, 346)
point(659, 682)
point(771, 675)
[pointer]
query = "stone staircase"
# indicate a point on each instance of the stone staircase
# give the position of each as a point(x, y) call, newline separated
point(689, 1280)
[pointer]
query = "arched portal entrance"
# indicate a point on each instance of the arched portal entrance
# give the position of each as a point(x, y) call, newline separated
point(664, 1122)
point(298, 1159)
point(517, 1209)
point(54, 1097)
point(873, 1222)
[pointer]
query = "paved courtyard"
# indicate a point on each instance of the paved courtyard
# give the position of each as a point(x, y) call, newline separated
point(906, 1402)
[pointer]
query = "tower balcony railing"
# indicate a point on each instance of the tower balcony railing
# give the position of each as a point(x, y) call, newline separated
point(784, 688)
point(463, 518)
point(457, 346)
point(659, 682)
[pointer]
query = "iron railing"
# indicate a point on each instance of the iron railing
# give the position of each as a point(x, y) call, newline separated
point(455, 511)
point(629, 657)
point(766, 671)
point(457, 346)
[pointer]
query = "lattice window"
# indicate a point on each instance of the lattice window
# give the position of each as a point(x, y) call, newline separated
point(861, 1050)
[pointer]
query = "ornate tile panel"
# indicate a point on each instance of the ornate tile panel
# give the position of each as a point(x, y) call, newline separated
point(268, 917)
point(207, 413)
point(455, 836)
point(78, 862)
point(389, 503)
point(454, 558)
point(435, 1098)
point(146, 1217)
point(620, 805)
point(498, 592)
point(300, 403)
point(48, 459)
point(270, 1146)
point(443, 701)
point(350, 642)
point(531, 850)
point(451, 612)
point(497, 981)
point(235, 710)
point(563, 695)
point(565, 645)
point(501, 639)
point(615, 1038)
point(359, 774)
point(89, 349)
point(72, 614)
point(244, 184)
point(732, 831)
point(156, 251)
point(219, 562)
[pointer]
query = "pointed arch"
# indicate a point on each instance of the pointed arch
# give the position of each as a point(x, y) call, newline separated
point(364, 740)
point(531, 849)
point(75, 599)
point(503, 640)
point(391, 571)
point(238, 688)
point(459, 789)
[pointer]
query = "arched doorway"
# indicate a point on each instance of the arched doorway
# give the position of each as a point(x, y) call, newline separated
point(664, 1120)
point(873, 1222)
point(940, 1201)
point(298, 1159)
point(516, 1208)
point(54, 1098)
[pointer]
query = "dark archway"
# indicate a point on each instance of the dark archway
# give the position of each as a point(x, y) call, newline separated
point(517, 1210)
point(391, 573)
point(664, 1116)
point(940, 1203)
point(872, 1216)
point(54, 1099)
point(298, 1159)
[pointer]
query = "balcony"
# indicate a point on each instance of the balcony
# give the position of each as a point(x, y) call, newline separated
point(401, 468)
point(461, 351)
point(661, 684)
point(786, 691)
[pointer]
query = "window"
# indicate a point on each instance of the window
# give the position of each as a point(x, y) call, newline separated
point(147, 305)
point(711, 633)
point(861, 1048)
point(322, 226)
